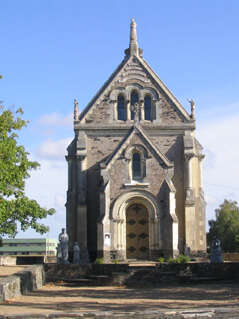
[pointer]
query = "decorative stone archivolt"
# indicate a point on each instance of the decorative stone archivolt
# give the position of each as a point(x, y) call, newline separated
point(135, 148)
point(119, 210)
point(126, 92)
point(151, 92)
point(142, 93)
point(140, 197)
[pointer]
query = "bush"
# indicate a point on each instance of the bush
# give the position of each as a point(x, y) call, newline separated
point(161, 259)
point(171, 260)
point(181, 259)
point(99, 260)
point(115, 261)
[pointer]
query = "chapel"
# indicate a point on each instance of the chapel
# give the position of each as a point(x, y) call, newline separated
point(135, 169)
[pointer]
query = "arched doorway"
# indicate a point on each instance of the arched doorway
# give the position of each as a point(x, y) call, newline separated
point(137, 232)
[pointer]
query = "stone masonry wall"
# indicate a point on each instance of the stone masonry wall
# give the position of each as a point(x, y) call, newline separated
point(172, 147)
point(100, 147)
point(119, 173)
point(22, 282)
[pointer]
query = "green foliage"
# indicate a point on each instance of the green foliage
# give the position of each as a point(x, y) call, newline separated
point(181, 259)
point(171, 260)
point(14, 170)
point(226, 226)
point(115, 261)
point(161, 259)
point(99, 261)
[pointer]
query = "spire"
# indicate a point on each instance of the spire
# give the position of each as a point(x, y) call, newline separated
point(133, 44)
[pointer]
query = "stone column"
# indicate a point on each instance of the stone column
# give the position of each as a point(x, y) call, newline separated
point(189, 178)
point(81, 220)
point(190, 234)
point(172, 208)
point(142, 115)
point(128, 112)
point(200, 158)
point(115, 113)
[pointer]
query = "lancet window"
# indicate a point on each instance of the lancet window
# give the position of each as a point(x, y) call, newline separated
point(136, 166)
point(148, 108)
point(121, 109)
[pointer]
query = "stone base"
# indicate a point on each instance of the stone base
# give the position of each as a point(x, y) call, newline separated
point(111, 255)
point(21, 283)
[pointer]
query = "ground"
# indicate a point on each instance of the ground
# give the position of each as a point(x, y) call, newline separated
point(10, 270)
point(58, 297)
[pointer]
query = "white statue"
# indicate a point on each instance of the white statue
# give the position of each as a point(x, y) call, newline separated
point(63, 247)
point(135, 108)
point(192, 104)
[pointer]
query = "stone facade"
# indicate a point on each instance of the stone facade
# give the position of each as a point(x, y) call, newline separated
point(134, 154)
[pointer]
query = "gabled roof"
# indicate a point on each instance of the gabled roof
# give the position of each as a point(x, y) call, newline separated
point(134, 52)
point(136, 129)
point(103, 88)
point(164, 88)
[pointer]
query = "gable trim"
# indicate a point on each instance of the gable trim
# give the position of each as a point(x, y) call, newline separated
point(136, 128)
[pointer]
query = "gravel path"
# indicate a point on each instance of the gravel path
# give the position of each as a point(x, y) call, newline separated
point(61, 298)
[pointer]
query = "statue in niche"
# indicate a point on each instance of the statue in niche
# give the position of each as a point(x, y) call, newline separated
point(62, 253)
point(216, 251)
point(135, 108)
point(76, 253)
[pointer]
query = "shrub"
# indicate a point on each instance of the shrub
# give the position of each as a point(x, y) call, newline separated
point(181, 259)
point(161, 259)
point(99, 260)
point(171, 260)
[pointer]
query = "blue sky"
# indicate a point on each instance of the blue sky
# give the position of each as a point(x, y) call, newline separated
point(53, 51)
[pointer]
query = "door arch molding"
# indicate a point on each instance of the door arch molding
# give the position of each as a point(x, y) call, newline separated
point(118, 218)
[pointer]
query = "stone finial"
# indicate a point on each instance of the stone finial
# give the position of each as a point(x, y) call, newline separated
point(192, 104)
point(133, 44)
point(76, 110)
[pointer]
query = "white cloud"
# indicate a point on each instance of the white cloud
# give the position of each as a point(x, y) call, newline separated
point(219, 137)
point(60, 200)
point(51, 149)
point(56, 119)
point(48, 186)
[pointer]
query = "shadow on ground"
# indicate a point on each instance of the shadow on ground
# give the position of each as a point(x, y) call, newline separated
point(63, 298)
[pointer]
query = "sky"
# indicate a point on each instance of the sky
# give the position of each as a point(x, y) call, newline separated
point(53, 51)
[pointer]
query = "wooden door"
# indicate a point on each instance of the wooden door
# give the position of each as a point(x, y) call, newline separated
point(137, 232)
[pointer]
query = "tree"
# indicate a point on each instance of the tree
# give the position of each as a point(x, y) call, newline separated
point(15, 166)
point(226, 226)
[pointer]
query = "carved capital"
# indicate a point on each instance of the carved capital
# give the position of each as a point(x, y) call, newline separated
point(188, 156)
point(201, 157)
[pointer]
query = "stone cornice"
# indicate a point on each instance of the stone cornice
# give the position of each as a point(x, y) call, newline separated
point(121, 127)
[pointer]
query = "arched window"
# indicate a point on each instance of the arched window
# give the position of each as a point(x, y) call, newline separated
point(121, 108)
point(147, 108)
point(136, 166)
point(134, 98)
